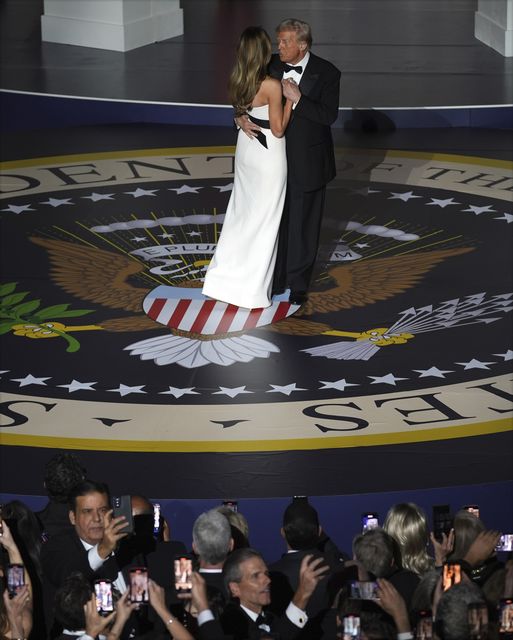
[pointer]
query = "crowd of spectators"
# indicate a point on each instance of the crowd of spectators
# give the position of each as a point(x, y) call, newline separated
point(79, 569)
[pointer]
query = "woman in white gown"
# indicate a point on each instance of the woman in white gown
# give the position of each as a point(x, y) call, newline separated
point(241, 270)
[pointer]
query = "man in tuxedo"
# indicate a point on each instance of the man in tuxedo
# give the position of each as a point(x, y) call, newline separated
point(313, 84)
point(89, 547)
point(247, 578)
point(301, 531)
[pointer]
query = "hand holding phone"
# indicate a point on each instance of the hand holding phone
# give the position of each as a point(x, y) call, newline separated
point(103, 593)
point(369, 521)
point(451, 575)
point(123, 507)
point(139, 585)
point(183, 573)
point(364, 590)
point(442, 521)
point(15, 578)
point(351, 627)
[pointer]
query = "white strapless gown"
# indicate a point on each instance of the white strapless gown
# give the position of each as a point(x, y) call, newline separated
point(241, 270)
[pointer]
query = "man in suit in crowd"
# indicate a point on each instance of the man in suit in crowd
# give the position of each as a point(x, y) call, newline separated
point(375, 552)
point(301, 531)
point(313, 84)
point(212, 542)
point(62, 472)
point(89, 547)
point(247, 578)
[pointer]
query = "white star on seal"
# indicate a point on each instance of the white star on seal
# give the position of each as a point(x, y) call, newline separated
point(507, 356)
point(179, 392)
point(185, 189)
point(57, 202)
point(232, 392)
point(433, 372)
point(475, 364)
point(389, 378)
point(124, 389)
point(507, 216)
point(139, 239)
point(75, 385)
point(166, 235)
point(30, 379)
point(226, 187)
point(361, 245)
point(138, 193)
point(95, 197)
point(20, 208)
point(340, 385)
point(441, 203)
point(479, 210)
point(407, 195)
point(193, 233)
point(285, 389)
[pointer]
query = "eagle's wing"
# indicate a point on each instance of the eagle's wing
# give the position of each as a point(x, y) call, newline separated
point(94, 274)
point(366, 281)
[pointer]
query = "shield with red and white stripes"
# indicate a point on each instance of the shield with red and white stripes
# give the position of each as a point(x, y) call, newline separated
point(189, 310)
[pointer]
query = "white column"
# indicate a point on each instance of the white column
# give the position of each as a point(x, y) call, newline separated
point(493, 25)
point(118, 25)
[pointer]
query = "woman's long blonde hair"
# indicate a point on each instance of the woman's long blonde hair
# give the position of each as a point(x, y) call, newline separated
point(407, 524)
point(253, 56)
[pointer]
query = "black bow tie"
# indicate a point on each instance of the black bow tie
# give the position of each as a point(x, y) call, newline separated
point(289, 67)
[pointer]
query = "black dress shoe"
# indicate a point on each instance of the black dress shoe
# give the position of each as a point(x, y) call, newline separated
point(298, 297)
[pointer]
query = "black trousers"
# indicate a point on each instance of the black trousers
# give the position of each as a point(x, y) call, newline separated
point(298, 238)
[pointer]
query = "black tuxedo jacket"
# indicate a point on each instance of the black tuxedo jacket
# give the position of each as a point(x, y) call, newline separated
point(310, 154)
point(238, 625)
point(284, 582)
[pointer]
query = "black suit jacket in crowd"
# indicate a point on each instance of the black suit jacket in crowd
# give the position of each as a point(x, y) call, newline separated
point(310, 153)
point(237, 625)
point(285, 580)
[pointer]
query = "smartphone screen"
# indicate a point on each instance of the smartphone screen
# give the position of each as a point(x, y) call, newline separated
point(183, 572)
point(123, 507)
point(424, 628)
point(477, 621)
point(364, 590)
point(351, 626)
point(473, 509)
point(231, 504)
point(505, 543)
point(139, 585)
point(15, 578)
point(451, 575)
point(103, 593)
point(506, 615)
point(442, 521)
point(369, 521)
point(156, 519)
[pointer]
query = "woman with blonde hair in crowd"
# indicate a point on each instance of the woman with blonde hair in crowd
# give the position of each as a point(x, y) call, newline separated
point(406, 522)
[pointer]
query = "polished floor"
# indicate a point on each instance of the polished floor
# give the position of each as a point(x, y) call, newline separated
point(392, 53)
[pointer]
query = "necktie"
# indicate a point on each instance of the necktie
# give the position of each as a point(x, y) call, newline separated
point(289, 67)
point(263, 622)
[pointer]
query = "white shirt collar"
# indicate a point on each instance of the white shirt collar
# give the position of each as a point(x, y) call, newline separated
point(250, 613)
